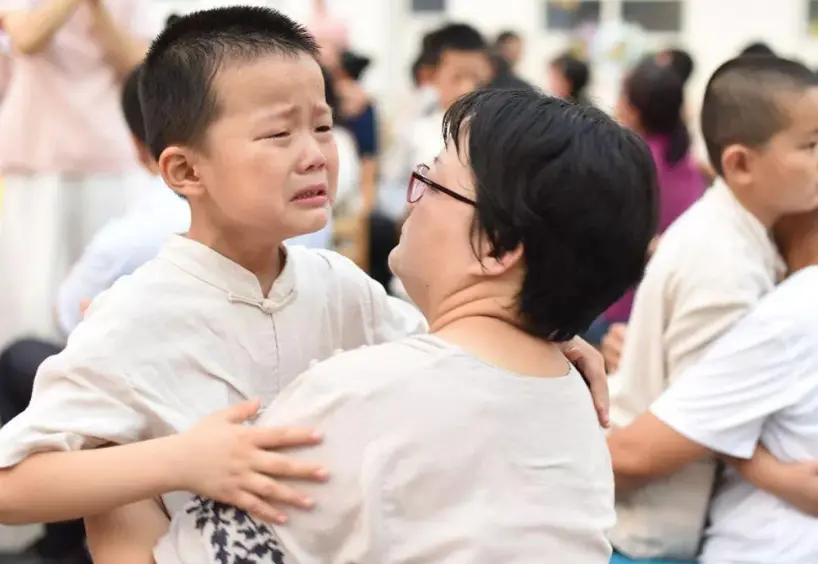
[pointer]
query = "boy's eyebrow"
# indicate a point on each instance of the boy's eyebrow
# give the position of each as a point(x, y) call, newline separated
point(291, 110)
point(280, 111)
point(286, 111)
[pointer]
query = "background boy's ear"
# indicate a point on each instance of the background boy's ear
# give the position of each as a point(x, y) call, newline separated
point(736, 164)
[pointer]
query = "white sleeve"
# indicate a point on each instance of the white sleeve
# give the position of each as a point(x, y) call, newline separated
point(392, 317)
point(387, 318)
point(722, 401)
point(81, 399)
point(101, 264)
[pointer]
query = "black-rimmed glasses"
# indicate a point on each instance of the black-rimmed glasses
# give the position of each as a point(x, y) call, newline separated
point(419, 181)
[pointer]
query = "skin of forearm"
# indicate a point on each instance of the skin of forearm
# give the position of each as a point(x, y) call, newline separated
point(60, 486)
point(790, 486)
point(31, 31)
point(127, 535)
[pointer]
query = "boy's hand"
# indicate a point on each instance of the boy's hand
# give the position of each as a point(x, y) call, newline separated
point(590, 364)
point(238, 464)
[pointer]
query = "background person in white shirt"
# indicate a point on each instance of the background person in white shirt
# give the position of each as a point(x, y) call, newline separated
point(760, 125)
point(476, 443)
point(757, 385)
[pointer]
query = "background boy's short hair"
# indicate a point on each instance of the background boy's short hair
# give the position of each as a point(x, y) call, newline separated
point(132, 107)
point(743, 102)
point(176, 86)
point(452, 37)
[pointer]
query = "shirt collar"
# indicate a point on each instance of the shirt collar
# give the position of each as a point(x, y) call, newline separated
point(238, 283)
point(758, 233)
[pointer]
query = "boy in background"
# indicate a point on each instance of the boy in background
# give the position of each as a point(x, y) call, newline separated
point(760, 124)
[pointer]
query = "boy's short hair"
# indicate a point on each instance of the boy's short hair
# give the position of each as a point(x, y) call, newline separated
point(506, 36)
point(453, 37)
point(742, 102)
point(757, 48)
point(176, 87)
point(131, 106)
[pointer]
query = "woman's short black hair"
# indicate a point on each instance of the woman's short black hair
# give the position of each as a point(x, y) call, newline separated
point(570, 185)
point(656, 91)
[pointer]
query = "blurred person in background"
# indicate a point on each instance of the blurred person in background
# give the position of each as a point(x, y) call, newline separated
point(457, 58)
point(509, 45)
point(328, 30)
point(65, 152)
point(503, 76)
point(5, 60)
point(424, 94)
point(758, 48)
point(680, 60)
point(652, 104)
point(568, 77)
point(357, 113)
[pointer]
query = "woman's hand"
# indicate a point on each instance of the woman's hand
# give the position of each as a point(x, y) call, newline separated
point(237, 464)
point(591, 365)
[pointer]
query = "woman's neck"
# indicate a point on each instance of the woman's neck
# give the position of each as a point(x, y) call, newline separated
point(505, 346)
point(490, 331)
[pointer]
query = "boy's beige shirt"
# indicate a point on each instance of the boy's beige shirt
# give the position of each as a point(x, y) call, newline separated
point(712, 266)
point(190, 333)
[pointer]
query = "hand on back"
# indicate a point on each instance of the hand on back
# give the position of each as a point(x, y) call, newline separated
point(227, 460)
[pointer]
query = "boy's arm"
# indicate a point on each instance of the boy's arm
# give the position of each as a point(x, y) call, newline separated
point(60, 486)
point(794, 482)
point(719, 405)
point(219, 458)
point(126, 535)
